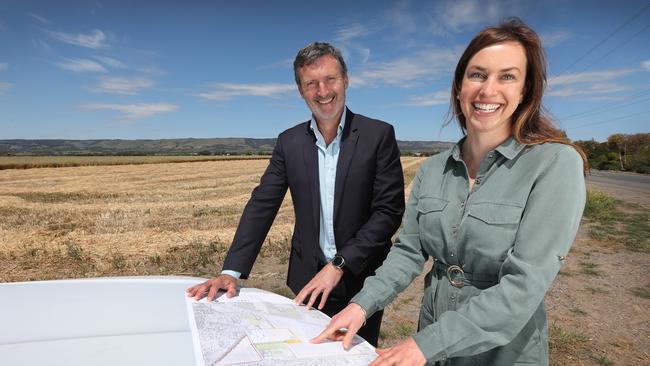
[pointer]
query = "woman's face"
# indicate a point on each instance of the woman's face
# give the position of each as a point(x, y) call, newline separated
point(492, 88)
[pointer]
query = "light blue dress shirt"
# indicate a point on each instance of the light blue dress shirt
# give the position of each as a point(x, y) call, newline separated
point(328, 157)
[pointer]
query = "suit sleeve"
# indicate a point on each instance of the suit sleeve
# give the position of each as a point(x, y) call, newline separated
point(386, 209)
point(258, 215)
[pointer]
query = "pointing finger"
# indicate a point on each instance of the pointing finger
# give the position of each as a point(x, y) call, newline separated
point(328, 333)
point(347, 339)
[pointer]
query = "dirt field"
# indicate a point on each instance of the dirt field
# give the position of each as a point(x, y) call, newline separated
point(179, 219)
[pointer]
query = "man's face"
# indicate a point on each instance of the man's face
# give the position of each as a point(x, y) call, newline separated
point(323, 87)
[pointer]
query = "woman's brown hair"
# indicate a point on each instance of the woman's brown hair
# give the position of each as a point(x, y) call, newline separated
point(530, 124)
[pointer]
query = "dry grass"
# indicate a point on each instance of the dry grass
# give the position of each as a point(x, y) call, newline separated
point(133, 212)
point(160, 218)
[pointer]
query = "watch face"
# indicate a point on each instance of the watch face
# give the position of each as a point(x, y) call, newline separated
point(338, 261)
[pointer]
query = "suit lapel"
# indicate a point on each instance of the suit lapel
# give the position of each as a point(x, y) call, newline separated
point(311, 169)
point(348, 145)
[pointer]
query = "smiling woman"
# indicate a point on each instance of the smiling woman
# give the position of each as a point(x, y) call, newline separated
point(493, 87)
point(498, 213)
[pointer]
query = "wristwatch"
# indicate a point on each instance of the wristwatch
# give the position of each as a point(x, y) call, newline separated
point(338, 262)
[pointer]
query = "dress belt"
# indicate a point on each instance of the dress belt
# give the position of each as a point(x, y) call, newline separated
point(459, 278)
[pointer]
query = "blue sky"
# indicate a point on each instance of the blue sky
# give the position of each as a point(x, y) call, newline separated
point(172, 69)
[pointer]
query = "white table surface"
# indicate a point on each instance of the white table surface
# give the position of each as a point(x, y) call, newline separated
point(104, 321)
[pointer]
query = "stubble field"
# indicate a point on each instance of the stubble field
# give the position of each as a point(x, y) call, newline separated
point(178, 219)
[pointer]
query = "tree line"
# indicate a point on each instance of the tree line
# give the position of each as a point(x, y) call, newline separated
point(620, 152)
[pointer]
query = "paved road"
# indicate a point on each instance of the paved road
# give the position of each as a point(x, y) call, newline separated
point(625, 186)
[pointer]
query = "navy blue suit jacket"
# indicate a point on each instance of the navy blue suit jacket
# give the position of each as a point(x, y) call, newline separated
point(368, 203)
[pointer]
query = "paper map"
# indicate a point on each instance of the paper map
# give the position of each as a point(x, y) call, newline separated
point(262, 328)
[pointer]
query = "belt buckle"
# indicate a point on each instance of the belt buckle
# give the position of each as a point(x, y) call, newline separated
point(453, 272)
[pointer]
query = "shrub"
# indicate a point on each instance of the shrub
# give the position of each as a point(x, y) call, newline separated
point(600, 206)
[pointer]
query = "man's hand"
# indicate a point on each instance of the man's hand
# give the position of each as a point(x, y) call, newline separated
point(406, 353)
point(212, 286)
point(322, 284)
point(350, 318)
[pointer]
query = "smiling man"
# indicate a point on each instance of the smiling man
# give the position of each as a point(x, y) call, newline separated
point(345, 177)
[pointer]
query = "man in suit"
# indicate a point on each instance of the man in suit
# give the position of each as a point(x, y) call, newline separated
point(345, 177)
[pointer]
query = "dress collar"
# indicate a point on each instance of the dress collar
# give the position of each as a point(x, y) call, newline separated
point(509, 149)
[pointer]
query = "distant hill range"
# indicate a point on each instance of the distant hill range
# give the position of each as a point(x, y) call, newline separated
point(189, 146)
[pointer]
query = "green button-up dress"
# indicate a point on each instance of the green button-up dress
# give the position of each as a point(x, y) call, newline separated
point(509, 234)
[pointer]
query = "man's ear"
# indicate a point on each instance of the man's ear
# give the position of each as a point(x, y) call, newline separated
point(346, 81)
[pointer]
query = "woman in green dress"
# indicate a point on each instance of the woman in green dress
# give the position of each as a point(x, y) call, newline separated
point(498, 213)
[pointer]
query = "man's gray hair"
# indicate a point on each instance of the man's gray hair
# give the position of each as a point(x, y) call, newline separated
point(313, 51)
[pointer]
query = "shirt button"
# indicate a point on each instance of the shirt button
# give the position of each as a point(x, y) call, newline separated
point(452, 254)
point(477, 181)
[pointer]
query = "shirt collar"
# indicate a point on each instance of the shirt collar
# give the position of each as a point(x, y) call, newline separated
point(510, 148)
point(314, 127)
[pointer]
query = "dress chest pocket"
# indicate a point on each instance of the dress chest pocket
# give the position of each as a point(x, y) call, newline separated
point(496, 225)
point(430, 212)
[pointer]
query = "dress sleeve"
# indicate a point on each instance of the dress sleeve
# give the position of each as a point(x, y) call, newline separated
point(547, 229)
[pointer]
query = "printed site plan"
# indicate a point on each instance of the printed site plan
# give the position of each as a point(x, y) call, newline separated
point(262, 328)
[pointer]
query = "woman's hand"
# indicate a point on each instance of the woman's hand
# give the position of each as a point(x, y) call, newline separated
point(405, 353)
point(351, 318)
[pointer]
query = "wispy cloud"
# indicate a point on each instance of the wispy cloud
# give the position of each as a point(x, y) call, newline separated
point(592, 83)
point(347, 41)
point(109, 61)
point(81, 65)
point(458, 15)
point(152, 70)
point(588, 90)
point(226, 91)
point(431, 99)
point(589, 76)
point(401, 19)
point(39, 18)
point(4, 87)
point(3, 66)
point(132, 112)
point(122, 86)
point(646, 65)
point(41, 44)
point(554, 38)
point(410, 71)
point(95, 39)
point(352, 31)
point(453, 16)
